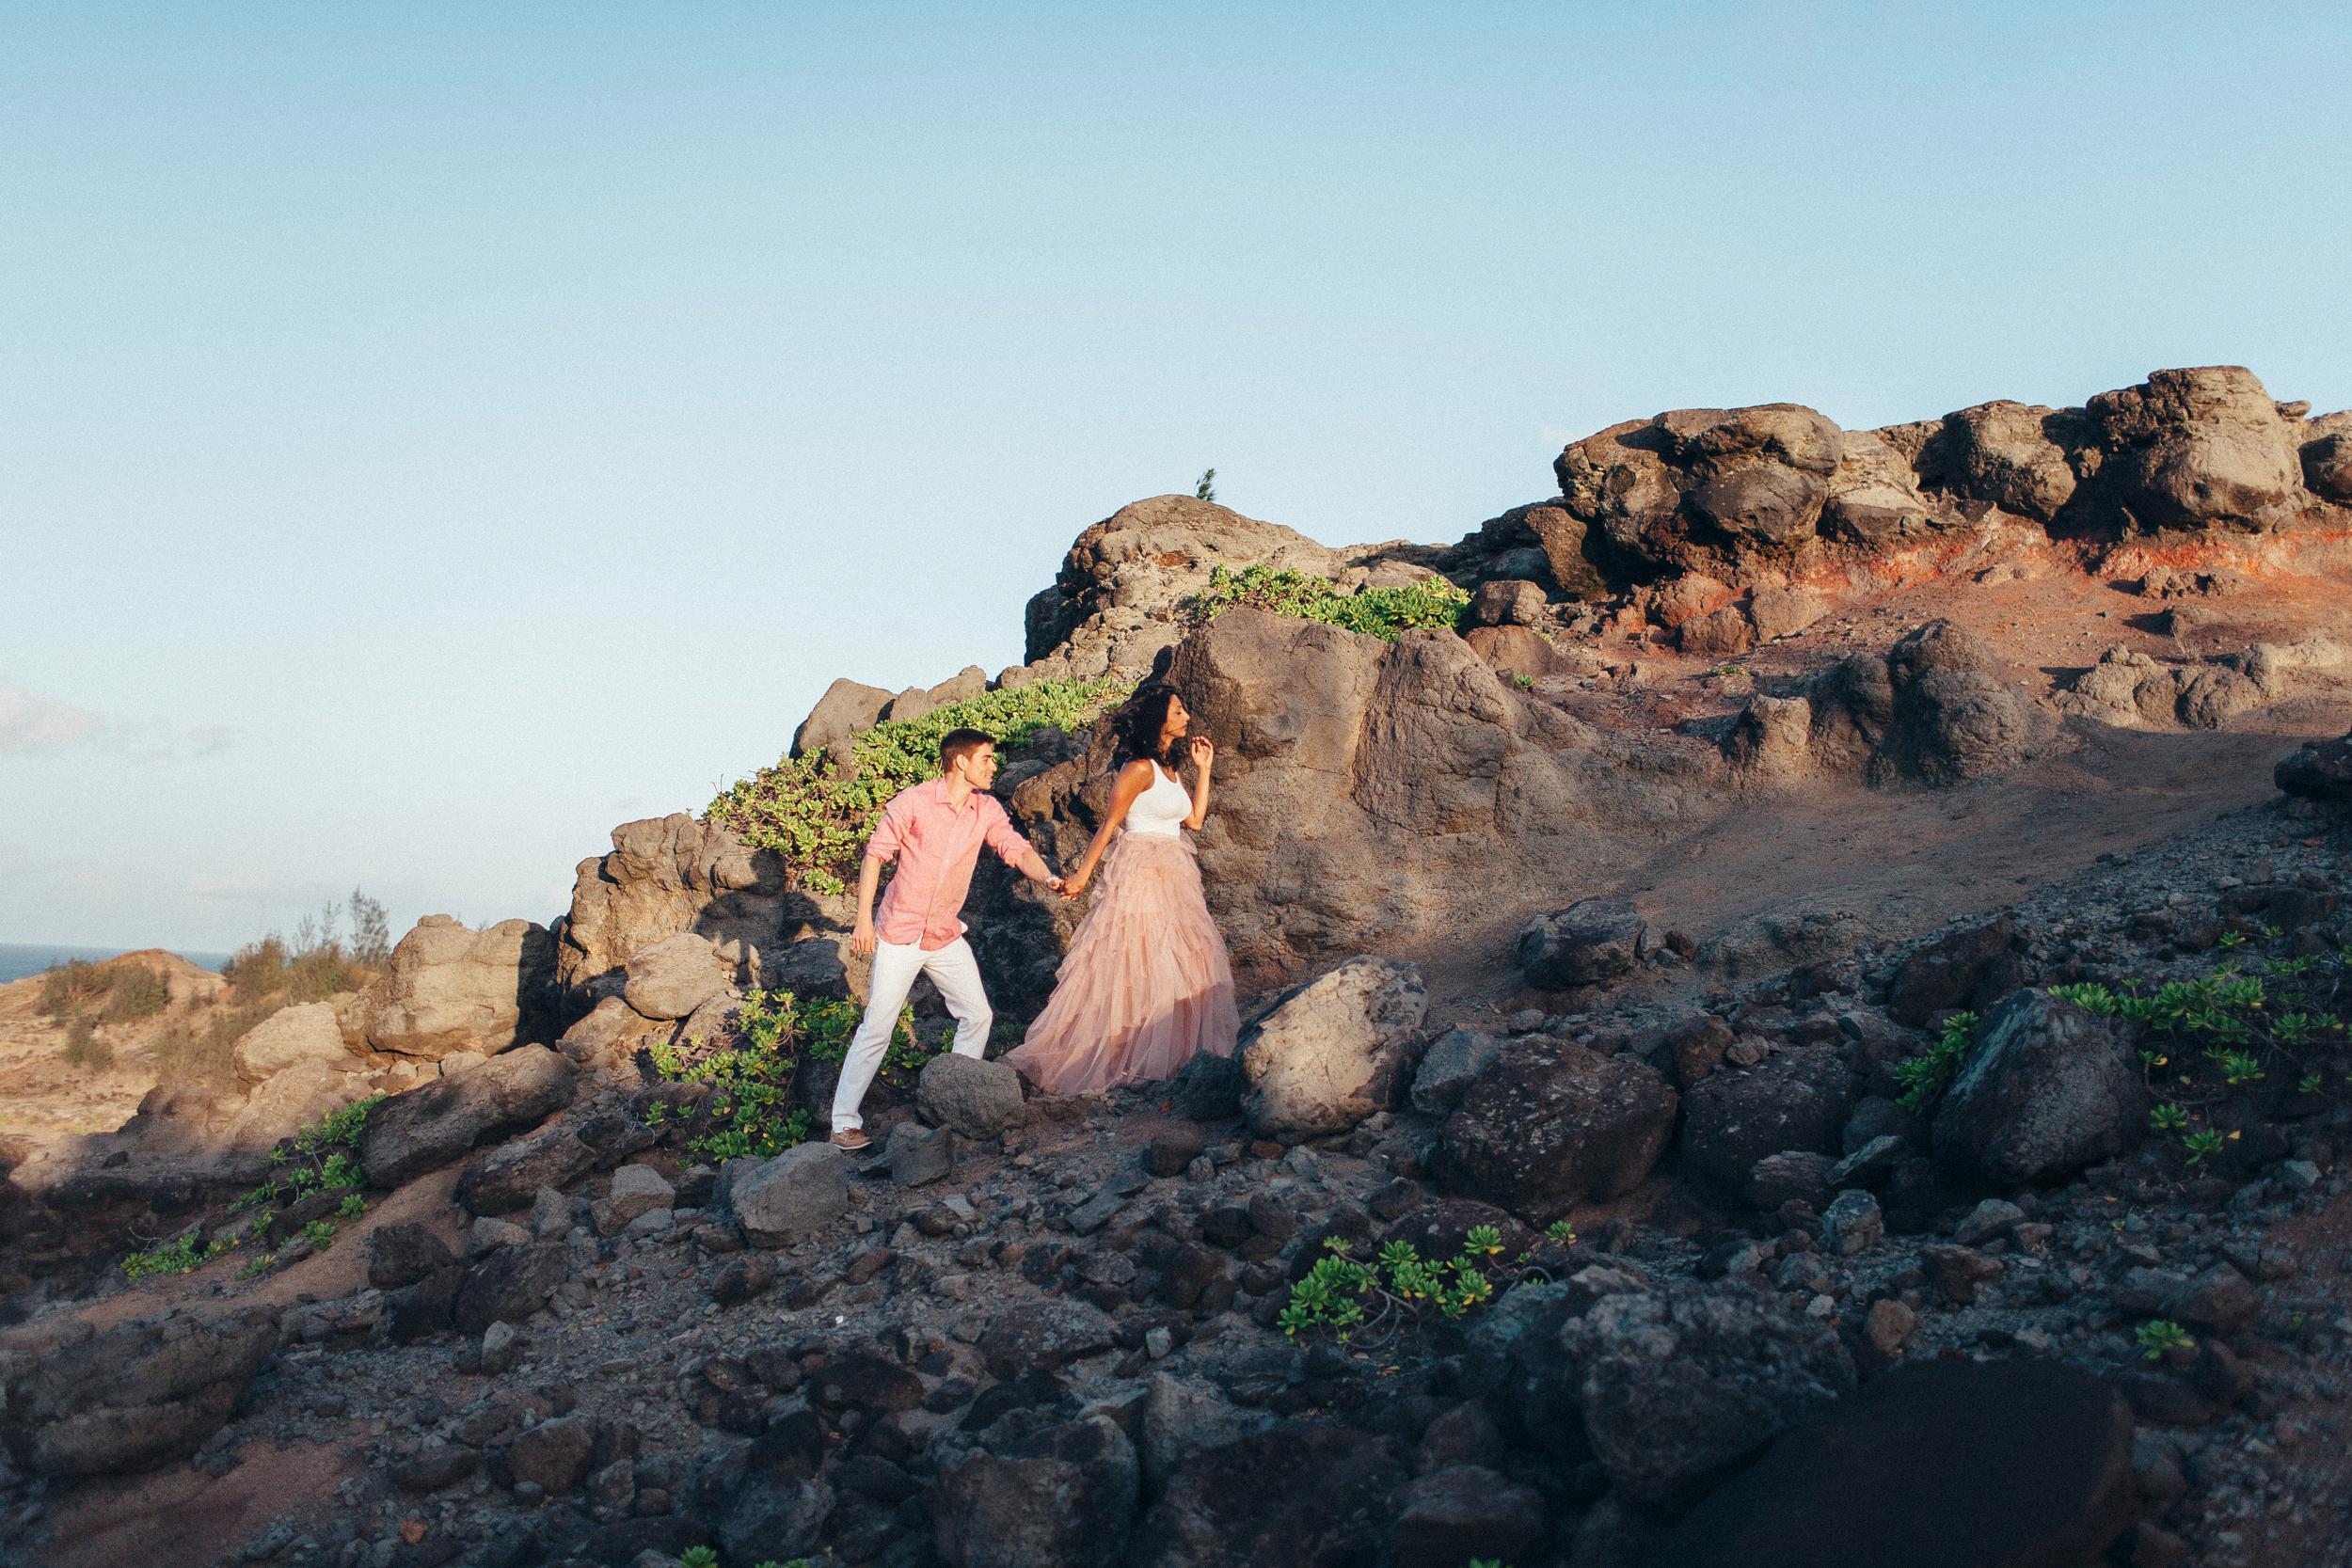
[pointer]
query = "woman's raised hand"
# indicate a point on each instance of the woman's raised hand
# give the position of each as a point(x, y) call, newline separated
point(1204, 751)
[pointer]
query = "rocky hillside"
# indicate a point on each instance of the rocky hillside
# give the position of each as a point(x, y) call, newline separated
point(1807, 1029)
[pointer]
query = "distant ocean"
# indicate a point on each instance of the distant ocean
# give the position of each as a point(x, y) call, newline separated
point(17, 961)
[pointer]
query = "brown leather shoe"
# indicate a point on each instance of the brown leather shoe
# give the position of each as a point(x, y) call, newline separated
point(852, 1139)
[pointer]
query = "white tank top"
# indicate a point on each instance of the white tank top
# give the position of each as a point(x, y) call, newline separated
point(1162, 808)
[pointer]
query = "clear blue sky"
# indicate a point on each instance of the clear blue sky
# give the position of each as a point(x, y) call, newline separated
point(433, 434)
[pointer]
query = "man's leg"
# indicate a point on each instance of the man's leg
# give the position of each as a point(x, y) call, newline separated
point(956, 974)
point(895, 968)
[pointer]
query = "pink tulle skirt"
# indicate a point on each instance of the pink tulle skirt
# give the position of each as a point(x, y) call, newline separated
point(1146, 982)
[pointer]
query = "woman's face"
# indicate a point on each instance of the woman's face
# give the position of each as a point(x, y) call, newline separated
point(1173, 726)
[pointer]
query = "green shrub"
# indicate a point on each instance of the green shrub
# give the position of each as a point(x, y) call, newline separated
point(197, 1052)
point(816, 817)
point(1382, 612)
point(69, 986)
point(136, 992)
point(751, 1110)
point(1348, 1297)
point(180, 1255)
point(1926, 1076)
point(84, 1049)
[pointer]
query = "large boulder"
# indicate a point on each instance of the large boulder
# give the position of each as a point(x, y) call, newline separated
point(678, 873)
point(508, 1175)
point(1043, 1337)
point(2322, 770)
point(2191, 448)
point(1678, 1387)
point(2016, 456)
point(780, 1201)
point(1335, 1051)
point(508, 1285)
point(134, 1396)
point(2032, 1464)
point(674, 976)
point(845, 708)
point(1553, 1125)
point(1119, 597)
point(291, 1036)
point(453, 988)
point(2046, 1089)
point(1697, 484)
point(1796, 1098)
point(1590, 943)
point(1466, 1514)
point(292, 1099)
point(968, 1096)
point(1057, 1499)
point(1967, 968)
point(413, 1132)
point(1289, 1495)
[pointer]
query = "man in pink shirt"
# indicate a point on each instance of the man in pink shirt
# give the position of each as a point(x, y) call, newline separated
point(934, 831)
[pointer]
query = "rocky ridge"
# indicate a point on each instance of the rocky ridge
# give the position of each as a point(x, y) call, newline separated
point(1042, 1331)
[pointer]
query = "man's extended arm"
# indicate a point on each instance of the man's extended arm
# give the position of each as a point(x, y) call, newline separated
point(868, 878)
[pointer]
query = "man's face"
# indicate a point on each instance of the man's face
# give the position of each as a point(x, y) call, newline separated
point(978, 767)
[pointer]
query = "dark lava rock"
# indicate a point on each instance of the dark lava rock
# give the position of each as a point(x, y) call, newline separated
point(1208, 1088)
point(422, 1310)
point(1284, 1498)
point(508, 1287)
point(400, 1255)
point(2322, 770)
point(1437, 1230)
point(1591, 942)
point(1058, 1499)
point(1966, 969)
point(1555, 1125)
point(2046, 1089)
point(1042, 1337)
point(1677, 1386)
point(1797, 1099)
point(864, 1381)
point(134, 1395)
point(553, 1455)
point(414, 1132)
point(1465, 1512)
point(1948, 1464)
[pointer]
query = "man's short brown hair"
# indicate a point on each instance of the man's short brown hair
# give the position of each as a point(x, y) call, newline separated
point(959, 743)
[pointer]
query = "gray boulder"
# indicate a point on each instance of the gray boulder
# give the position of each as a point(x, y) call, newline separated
point(304, 1034)
point(676, 975)
point(453, 988)
point(1335, 1051)
point(136, 1395)
point(1678, 1387)
point(413, 1132)
point(1453, 1063)
point(969, 1096)
point(780, 1201)
point(2046, 1089)
point(1553, 1125)
point(1590, 943)
point(1042, 1337)
point(774, 1516)
point(2192, 448)
point(635, 1190)
point(845, 708)
point(289, 1100)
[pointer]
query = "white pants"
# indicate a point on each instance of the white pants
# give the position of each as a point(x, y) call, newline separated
point(953, 969)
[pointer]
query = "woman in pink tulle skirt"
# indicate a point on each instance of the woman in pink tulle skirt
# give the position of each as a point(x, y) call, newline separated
point(1146, 983)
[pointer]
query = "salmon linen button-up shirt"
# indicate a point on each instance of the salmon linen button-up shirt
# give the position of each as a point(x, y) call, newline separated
point(936, 845)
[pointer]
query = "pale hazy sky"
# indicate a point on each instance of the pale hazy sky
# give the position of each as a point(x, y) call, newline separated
point(433, 434)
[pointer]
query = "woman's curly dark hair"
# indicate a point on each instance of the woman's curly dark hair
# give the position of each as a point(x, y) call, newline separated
point(1137, 725)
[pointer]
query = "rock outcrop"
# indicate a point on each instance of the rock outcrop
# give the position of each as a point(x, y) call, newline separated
point(452, 988)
